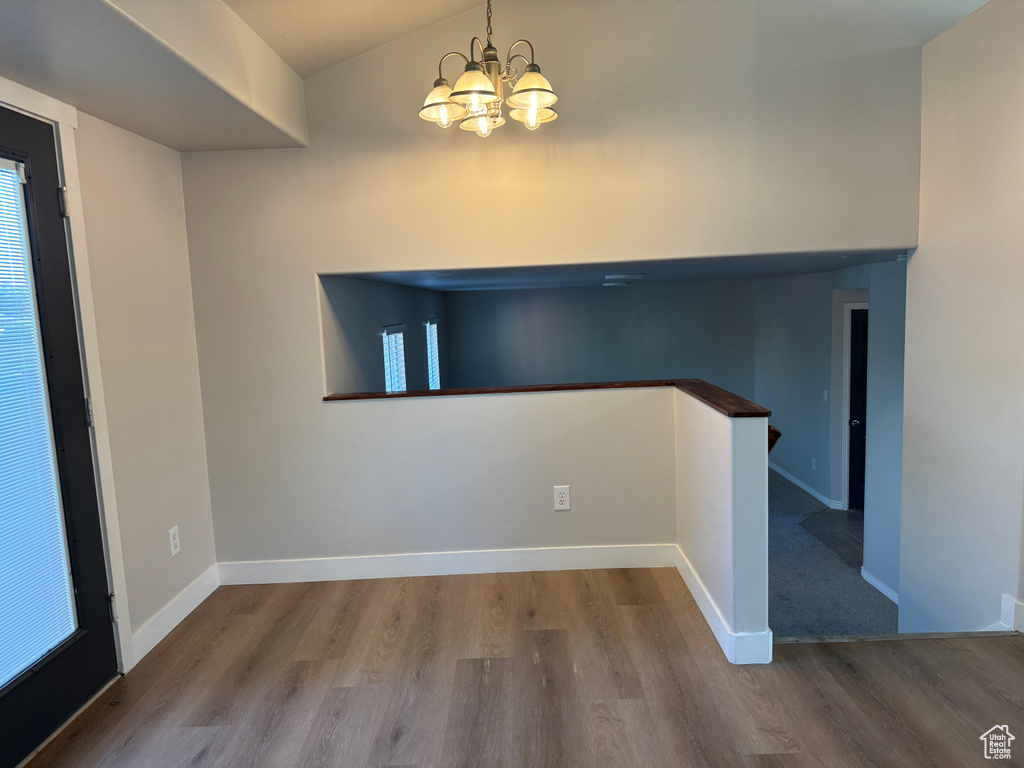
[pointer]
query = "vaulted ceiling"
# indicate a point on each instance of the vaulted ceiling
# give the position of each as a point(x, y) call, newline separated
point(311, 35)
point(225, 74)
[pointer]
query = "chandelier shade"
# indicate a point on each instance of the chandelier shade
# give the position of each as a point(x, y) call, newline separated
point(533, 91)
point(438, 106)
point(474, 90)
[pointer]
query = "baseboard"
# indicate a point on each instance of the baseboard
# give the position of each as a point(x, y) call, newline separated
point(830, 503)
point(1012, 613)
point(997, 627)
point(172, 614)
point(447, 563)
point(739, 647)
point(880, 585)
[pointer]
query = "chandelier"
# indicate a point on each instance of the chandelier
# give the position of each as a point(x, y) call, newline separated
point(475, 102)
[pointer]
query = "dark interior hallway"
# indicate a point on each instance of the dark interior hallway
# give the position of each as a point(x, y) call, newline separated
point(814, 558)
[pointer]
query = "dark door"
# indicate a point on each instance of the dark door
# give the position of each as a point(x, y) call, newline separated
point(858, 404)
point(56, 636)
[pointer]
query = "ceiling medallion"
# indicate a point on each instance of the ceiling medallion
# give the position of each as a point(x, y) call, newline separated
point(475, 103)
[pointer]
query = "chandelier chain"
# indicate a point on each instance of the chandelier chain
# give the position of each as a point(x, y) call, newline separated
point(490, 32)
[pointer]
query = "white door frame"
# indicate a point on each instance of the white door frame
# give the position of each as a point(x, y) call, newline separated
point(848, 307)
point(64, 119)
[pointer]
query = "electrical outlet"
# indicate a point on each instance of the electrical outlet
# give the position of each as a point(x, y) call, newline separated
point(561, 498)
point(813, 462)
point(175, 542)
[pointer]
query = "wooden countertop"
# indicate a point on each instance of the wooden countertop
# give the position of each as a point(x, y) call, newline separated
point(721, 400)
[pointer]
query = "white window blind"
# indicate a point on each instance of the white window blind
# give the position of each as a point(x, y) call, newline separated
point(433, 363)
point(394, 358)
point(36, 607)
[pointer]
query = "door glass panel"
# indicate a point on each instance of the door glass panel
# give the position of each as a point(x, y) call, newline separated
point(37, 610)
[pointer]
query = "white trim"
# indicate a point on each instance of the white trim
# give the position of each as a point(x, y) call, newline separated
point(1012, 613)
point(844, 463)
point(997, 627)
point(830, 503)
point(880, 585)
point(172, 614)
point(89, 342)
point(739, 647)
point(319, 288)
point(447, 563)
point(29, 102)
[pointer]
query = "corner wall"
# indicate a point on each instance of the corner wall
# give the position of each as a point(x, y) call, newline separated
point(138, 256)
point(883, 476)
point(963, 439)
point(721, 473)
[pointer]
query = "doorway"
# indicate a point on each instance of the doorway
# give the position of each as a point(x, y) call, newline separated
point(855, 393)
point(56, 635)
point(857, 421)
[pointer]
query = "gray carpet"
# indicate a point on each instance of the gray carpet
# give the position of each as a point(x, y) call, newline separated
point(811, 590)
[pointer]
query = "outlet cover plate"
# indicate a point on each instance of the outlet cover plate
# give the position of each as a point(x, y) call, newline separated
point(562, 498)
point(175, 541)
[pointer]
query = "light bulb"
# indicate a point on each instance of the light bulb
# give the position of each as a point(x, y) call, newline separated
point(485, 129)
point(474, 103)
point(532, 120)
point(445, 118)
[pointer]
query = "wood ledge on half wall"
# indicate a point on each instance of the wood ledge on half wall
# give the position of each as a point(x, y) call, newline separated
point(723, 401)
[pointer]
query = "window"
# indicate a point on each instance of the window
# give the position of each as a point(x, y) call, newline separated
point(37, 610)
point(394, 358)
point(433, 363)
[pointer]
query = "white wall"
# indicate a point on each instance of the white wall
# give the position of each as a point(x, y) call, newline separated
point(727, 132)
point(721, 474)
point(963, 450)
point(135, 225)
point(447, 473)
point(882, 469)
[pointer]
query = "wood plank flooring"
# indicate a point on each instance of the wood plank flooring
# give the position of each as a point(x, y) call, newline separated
point(570, 668)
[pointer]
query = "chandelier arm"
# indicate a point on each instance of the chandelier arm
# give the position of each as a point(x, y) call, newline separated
point(515, 56)
point(471, 53)
point(508, 59)
point(440, 75)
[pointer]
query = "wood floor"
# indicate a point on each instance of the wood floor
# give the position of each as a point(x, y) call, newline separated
point(572, 668)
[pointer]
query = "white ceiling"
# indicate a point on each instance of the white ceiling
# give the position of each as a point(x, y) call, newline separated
point(123, 60)
point(312, 35)
point(166, 73)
